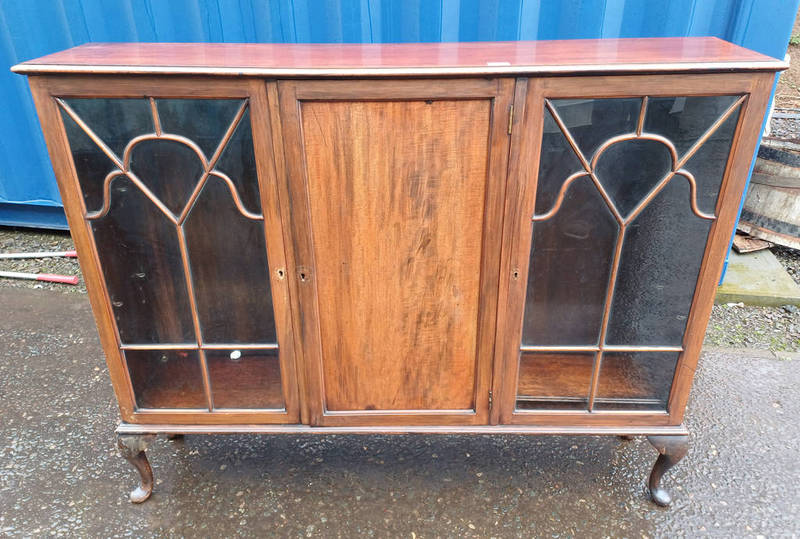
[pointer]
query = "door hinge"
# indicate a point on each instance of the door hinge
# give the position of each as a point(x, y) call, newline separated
point(510, 118)
point(490, 399)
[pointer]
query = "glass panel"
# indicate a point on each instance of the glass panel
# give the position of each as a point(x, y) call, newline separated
point(593, 121)
point(683, 120)
point(115, 121)
point(554, 380)
point(630, 169)
point(557, 162)
point(141, 262)
point(169, 169)
point(203, 121)
point(166, 378)
point(238, 161)
point(635, 380)
point(91, 164)
point(569, 269)
point(708, 164)
point(229, 270)
point(660, 263)
point(245, 378)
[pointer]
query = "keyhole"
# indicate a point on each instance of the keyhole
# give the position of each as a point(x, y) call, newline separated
point(515, 274)
point(280, 273)
point(303, 276)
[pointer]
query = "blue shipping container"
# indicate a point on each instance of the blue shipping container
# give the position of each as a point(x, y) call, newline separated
point(31, 28)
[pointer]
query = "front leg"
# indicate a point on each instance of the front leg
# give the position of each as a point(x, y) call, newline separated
point(671, 450)
point(132, 447)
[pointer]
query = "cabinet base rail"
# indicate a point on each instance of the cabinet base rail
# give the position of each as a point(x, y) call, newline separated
point(671, 442)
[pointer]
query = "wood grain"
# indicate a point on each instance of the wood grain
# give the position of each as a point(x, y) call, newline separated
point(398, 253)
point(409, 59)
point(412, 183)
point(609, 430)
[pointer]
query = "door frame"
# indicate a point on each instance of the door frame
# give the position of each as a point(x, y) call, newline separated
point(45, 90)
point(521, 195)
point(285, 102)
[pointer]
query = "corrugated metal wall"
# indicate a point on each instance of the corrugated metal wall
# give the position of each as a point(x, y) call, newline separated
point(31, 28)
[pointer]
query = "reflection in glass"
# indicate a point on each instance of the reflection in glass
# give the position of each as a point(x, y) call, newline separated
point(660, 256)
point(635, 380)
point(554, 380)
point(169, 169)
point(115, 121)
point(709, 163)
point(683, 120)
point(557, 162)
point(238, 161)
point(660, 263)
point(629, 170)
point(91, 164)
point(203, 121)
point(166, 378)
point(593, 121)
point(141, 262)
point(245, 378)
point(229, 269)
point(569, 269)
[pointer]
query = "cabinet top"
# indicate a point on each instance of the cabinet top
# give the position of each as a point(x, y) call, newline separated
point(634, 55)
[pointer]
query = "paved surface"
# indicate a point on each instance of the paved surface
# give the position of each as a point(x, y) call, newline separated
point(60, 474)
point(757, 279)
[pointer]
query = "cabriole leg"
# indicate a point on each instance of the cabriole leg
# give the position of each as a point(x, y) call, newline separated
point(671, 450)
point(132, 447)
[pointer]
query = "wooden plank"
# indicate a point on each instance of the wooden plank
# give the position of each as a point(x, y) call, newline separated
point(398, 253)
point(358, 60)
point(614, 430)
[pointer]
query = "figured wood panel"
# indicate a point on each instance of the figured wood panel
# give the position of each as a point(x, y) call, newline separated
point(396, 195)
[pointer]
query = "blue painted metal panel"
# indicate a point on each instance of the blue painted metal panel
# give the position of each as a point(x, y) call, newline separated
point(36, 27)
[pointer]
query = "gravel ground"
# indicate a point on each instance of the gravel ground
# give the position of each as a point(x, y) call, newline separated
point(785, 127)
point(764, 328)
point(790, 258)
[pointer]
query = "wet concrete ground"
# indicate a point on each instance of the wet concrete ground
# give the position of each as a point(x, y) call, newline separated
point(60, 473)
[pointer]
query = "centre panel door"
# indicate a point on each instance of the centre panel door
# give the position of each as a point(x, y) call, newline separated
point(395, 190)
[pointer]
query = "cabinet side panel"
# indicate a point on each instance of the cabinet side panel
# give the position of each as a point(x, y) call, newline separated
point(397, 195)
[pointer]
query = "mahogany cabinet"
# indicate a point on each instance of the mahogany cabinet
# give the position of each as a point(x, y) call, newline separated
point(472, 238)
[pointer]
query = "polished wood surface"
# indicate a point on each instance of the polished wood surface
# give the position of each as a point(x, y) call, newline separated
point(409, 178)
point(533, 430)
point(476, 58)
point(400, 297)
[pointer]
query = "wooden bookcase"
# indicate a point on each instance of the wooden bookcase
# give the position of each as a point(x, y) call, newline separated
point(439, 238)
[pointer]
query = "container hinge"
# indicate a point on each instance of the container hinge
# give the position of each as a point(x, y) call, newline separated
point(490, 399)
point(510, 118)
